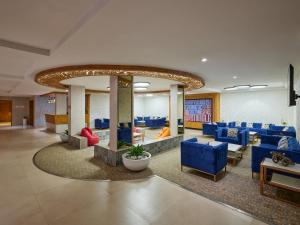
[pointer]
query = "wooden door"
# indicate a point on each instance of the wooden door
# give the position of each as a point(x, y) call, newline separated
point(31, 112)
point(5, 111)
point(87, 109)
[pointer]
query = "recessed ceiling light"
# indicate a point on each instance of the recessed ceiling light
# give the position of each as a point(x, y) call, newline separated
point(67, 90)
point(140, 88)
point(204, 60)
point(141, 84)
point(243, 86)
point(149, 95)
point(230, 88)
point(258, 86)
point(108, 88)
point(235, 77)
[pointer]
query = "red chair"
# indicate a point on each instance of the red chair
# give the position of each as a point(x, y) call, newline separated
point(92, 138)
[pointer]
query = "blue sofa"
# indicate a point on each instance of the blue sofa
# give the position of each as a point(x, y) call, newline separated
point(270, 143)
point(156, 123)
point(101, 124)
point(210, 128)
point(203, 157)
point(278, 130)
point(241, 139)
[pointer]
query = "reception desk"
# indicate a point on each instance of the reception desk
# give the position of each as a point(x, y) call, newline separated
point(56, 123)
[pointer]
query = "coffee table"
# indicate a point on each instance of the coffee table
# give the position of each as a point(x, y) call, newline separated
point(279, 180)
point(234, 151)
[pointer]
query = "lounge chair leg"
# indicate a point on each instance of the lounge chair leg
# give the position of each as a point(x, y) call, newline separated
point(181, 168)
point(215, 178)
point(225, 169)
point(252, 175)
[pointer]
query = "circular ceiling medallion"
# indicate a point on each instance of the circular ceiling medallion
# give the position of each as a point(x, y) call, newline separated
point(53, 77)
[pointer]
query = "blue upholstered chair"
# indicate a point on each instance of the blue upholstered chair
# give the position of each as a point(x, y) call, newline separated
point(101, 124)
point(222, 124)
point(203, 157)
point(270, 143)
point(278, 130)
point(241, 139)
point(209, 129)
point(124, 133)
point(231, 124)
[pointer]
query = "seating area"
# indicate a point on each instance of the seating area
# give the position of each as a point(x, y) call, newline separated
point(150, 112)
point(151, 122)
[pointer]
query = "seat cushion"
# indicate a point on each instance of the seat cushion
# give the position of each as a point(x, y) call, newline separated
point(269, 146)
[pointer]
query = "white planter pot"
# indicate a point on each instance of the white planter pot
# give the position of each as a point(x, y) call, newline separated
point(64, 137)
point(136, 164)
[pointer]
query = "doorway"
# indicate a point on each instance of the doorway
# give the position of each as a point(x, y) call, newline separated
point(5, 112)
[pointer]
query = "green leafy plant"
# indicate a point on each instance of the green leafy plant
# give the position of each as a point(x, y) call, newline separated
point(136, 151)
point(66, 132)
point(120, 144)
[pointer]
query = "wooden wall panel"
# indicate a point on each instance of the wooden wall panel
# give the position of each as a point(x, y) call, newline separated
point(215, 108)
point(5, 111)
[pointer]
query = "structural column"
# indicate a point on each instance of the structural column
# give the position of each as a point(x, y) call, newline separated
point(121, 110)
point(173, 110)
point(76, 109)
point(113, 113)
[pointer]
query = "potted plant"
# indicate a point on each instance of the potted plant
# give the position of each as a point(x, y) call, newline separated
point(136, 159)
point(64, 136)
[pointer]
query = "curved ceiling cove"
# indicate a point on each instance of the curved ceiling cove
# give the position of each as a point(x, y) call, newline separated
point(53, 77)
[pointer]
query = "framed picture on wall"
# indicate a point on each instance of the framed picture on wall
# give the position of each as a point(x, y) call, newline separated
point(198, 110)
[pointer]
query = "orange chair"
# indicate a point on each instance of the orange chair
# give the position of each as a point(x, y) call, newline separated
point(165, 132)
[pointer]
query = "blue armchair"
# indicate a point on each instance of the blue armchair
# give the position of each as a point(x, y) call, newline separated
point(241, 139)
point(270, 143)
point(203, 157)
point(101, 124)
point(124, 133)
point(222, 124)
point(278, 130)
point(209, 129)
point(231, 124)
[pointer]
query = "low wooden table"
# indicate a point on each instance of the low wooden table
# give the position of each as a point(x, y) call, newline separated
point(279, 180)
point(234, 151)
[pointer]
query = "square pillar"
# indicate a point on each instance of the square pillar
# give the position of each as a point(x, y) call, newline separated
point(173, 110)
point(121, 110)
point(113, 113)
point(76, 109)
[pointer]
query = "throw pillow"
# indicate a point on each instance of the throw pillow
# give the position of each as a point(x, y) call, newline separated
point(266, 126)
point(283, 143)
point(285, 129)
point(250, 125)
point(232, 132)
point(237, 123)
point(126, 125)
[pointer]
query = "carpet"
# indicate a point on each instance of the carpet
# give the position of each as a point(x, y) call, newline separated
point(235, 188)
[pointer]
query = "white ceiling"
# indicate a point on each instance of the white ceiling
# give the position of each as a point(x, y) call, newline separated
point(255, 40)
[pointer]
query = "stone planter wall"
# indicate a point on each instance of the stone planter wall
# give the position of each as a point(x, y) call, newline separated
point(114, 158)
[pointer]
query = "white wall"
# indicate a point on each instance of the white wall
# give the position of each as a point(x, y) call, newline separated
point(157, 105)
point(99, 107)
point(269, 106)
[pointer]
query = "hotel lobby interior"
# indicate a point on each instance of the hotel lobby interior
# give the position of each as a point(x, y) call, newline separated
point(149, 112)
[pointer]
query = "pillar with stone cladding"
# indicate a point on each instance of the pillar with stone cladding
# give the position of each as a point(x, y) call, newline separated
point(173, 110)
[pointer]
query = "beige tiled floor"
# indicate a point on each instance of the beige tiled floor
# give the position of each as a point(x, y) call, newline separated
point(30, 196)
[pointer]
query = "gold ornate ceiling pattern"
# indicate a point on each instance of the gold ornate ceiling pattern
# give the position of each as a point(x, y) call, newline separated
point(53, 77)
